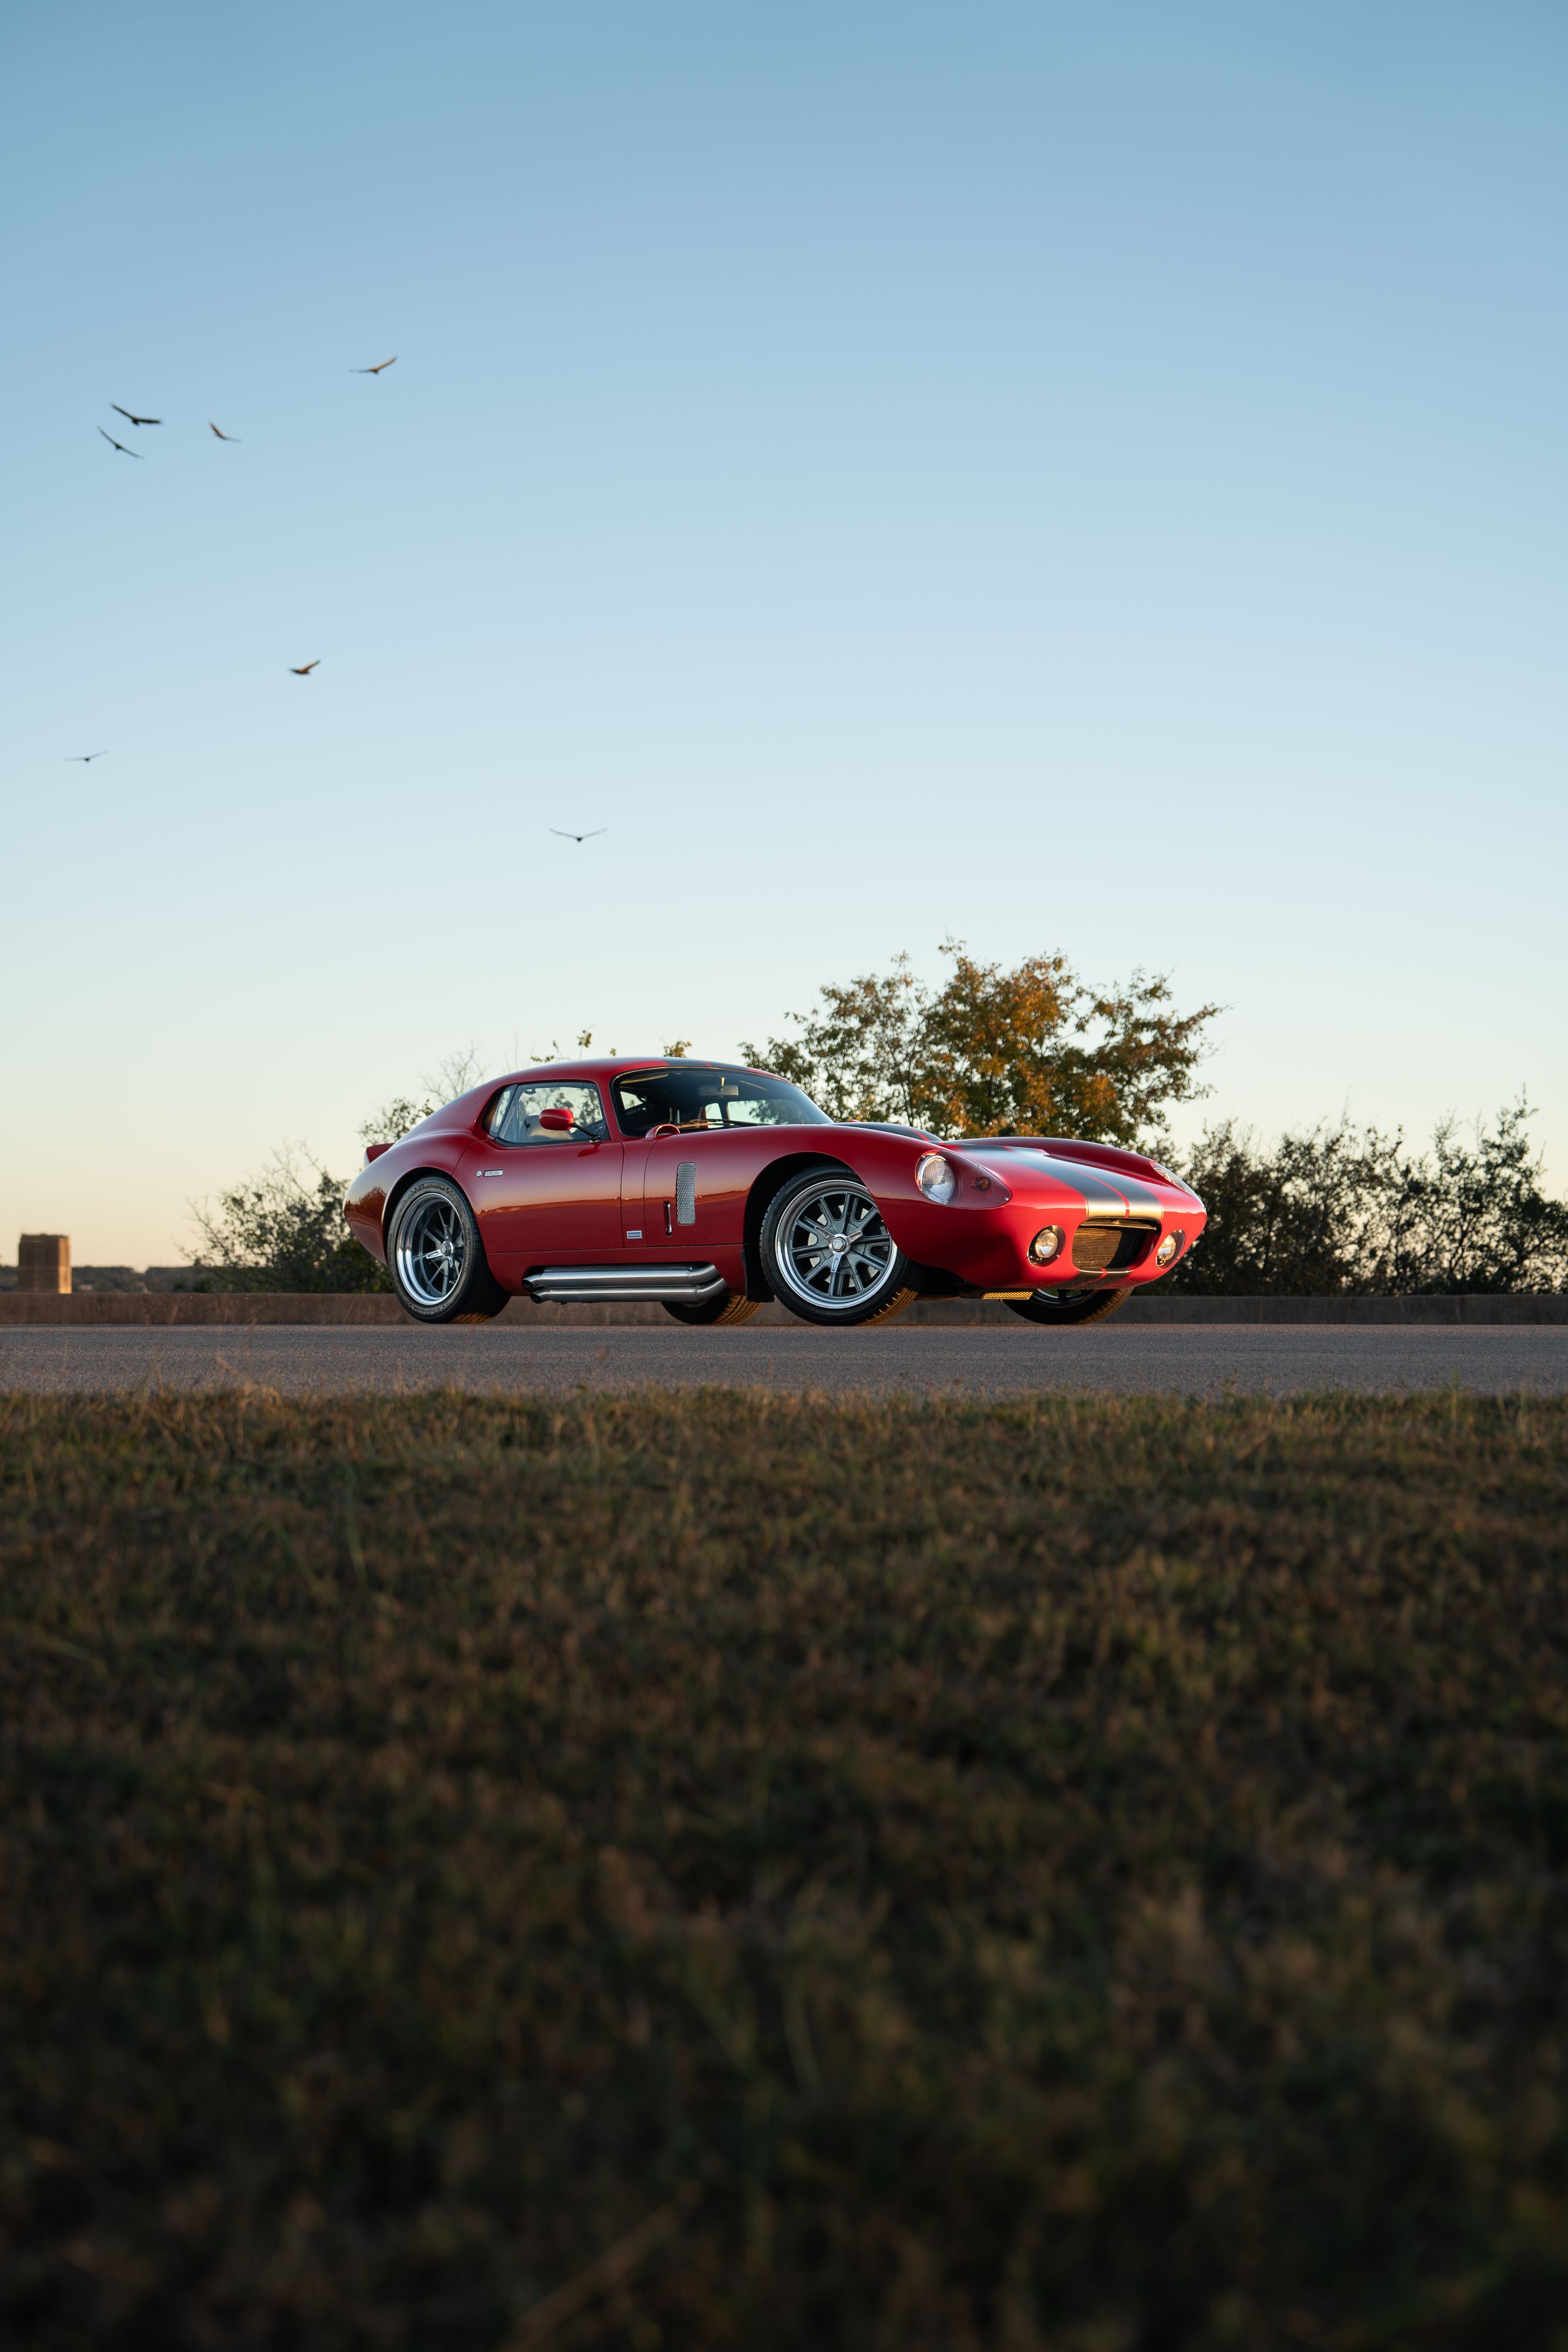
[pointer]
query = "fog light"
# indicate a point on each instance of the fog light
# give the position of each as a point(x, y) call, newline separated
point(1169, 1249)
point(936, 1177)
point(1046, 1245)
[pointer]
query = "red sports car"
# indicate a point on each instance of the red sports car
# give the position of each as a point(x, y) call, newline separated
point(712, 1188)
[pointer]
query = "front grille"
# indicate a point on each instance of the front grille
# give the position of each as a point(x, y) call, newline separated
point(1110, 1249)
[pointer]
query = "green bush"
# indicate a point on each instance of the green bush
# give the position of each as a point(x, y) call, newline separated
point(283, 1231)
point(1342, 1209)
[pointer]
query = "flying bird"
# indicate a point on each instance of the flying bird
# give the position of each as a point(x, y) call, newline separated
point(578, 836)
point(72, 757)
point(222, 437)
point(375, 370)
point(133, 420)
point(306, 670)
point(119, 445)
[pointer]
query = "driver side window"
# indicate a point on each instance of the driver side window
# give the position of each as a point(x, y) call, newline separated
point(516, 1113)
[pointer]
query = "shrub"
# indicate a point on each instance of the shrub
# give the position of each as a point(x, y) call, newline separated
point(284, 1230)
point(1341, 1209)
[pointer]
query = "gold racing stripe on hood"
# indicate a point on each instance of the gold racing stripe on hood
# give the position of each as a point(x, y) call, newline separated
point(1104, 1196)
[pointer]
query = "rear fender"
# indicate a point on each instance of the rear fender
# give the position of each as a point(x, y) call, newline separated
point(441, 1161)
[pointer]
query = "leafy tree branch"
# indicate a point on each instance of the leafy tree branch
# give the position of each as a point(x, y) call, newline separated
point(1346, 1208)
point(1030, 1051)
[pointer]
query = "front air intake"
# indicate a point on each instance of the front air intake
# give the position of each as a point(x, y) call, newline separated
point(1110, 1249)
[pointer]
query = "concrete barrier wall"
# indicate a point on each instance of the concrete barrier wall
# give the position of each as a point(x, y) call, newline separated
point(201, 1306)
point(206, 1308)
point(1462, 1307)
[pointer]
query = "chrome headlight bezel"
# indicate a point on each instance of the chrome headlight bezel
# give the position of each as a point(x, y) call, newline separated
point(1169, 1248)
point(936, 1176)
point(1047, 1245)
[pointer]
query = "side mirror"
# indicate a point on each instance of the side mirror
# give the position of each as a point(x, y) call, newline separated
point(665, 1126)
point(556, 1120)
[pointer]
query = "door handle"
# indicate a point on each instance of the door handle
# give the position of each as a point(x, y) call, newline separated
point(669, 1227)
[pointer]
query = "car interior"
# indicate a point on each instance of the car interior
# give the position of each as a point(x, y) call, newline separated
point(694, 1100)
point(558, 1113)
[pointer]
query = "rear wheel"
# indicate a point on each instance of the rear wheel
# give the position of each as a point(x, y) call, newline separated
point(1071, 1306)
point(827, 1254)
point(436, 1259)
point(730, 1306)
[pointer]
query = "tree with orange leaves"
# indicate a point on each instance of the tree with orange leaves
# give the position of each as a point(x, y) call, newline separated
point(1030, 1051)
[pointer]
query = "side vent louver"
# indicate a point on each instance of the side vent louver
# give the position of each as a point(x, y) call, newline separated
point(687, 1192)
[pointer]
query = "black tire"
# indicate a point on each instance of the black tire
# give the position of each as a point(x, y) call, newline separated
point(436, 1258)
point(1076, 1307)
point(730, 1306)
point(815, 1285)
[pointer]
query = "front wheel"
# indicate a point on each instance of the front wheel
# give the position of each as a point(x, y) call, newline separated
point(436, 1259)
point(1076, 1307)
point(730, 1307)
point(827, 1254)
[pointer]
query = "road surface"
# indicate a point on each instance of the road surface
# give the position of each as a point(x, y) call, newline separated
point(1279, 1359)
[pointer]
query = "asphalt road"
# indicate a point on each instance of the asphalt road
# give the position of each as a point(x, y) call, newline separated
point(1281, 1359)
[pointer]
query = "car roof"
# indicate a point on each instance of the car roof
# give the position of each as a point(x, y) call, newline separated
point(606, 1066)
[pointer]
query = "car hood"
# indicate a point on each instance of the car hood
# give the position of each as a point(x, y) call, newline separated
point(1105, 1193)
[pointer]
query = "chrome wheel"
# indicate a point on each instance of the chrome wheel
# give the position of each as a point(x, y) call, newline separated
point(432, 1252)
point(831, 1247)
point(1073, 1306)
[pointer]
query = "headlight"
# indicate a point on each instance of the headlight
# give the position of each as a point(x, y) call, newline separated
point(1046, 1244)
point(937, 1178)
point(1169, 1249)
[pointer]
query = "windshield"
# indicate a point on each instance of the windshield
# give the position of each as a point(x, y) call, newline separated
point(699, 1098)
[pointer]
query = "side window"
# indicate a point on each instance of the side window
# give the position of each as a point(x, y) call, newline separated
point(516, 1114)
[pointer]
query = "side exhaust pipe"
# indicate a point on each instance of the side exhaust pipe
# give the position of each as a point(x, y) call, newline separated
point(623, 1284)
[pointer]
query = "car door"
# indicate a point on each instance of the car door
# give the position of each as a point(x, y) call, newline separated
point(546, 1181)
point(693, 1187)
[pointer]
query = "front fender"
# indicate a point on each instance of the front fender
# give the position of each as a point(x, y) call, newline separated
point(769, 1182)
point(946, 1238)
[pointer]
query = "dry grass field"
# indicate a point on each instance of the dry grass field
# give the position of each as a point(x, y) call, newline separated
point(1059, 1877)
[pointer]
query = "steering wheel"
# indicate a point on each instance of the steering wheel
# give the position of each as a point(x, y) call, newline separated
point(665, 1126)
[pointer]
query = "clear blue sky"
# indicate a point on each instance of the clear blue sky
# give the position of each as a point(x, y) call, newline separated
point(1075, 478)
